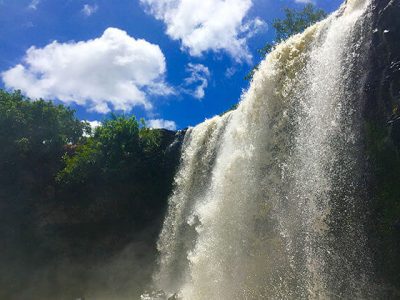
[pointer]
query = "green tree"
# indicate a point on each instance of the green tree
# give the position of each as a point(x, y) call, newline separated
point(34, 135)
point(63, 193)
point(295, 21)
point(119, 147)
point(66, 195)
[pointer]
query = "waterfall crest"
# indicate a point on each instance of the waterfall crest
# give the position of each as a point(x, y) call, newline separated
point(267, 198)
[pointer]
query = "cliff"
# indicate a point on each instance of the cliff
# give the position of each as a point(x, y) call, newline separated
point(382, 127)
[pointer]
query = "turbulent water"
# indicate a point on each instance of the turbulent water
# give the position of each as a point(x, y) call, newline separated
point(268, 199)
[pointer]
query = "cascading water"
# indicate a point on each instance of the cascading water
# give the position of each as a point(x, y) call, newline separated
point(268, 197)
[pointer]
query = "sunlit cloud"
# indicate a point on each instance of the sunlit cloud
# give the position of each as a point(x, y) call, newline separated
point(114, 71)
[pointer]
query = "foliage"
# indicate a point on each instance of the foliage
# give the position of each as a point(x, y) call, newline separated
point(33, 138)
point(121, 144)
point(33, 135)
point(295, 21)
point(67, 190)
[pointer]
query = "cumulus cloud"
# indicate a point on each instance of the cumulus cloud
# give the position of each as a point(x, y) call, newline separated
point(94, 124)
point(114, 70)
point(161, 123)
point(197, 82)
point(89, 10)
point(216, 25)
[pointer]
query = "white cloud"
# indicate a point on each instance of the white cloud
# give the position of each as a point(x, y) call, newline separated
point(93, 126)
point(89, 10)
point(33, 5)
point(199, 75)
point(217, 25)
point(114, 70)
point(161, 123)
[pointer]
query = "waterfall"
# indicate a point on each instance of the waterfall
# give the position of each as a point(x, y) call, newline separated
point(268, 198)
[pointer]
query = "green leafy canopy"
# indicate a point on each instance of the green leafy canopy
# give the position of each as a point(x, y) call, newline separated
point(120, 144)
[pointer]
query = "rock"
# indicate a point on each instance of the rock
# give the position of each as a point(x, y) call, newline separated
point(381, 114)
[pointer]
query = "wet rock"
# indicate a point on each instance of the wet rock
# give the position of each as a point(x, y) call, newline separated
point(382, 122)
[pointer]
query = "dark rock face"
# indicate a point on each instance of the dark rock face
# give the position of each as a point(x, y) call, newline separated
point(101, 248)
point(383, 87)
point(382, 135)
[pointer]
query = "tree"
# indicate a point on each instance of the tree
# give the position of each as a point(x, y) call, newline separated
point(120, 146)
point(66, 196)
point(295, 21)
point(33, 135)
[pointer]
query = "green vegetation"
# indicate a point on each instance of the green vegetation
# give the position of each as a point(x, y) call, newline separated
point(120, 145)
point(34, 134)
point(295, 21)
point(75, 194)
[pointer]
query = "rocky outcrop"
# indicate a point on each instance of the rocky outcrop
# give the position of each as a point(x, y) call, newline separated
point(383, 86)
point(382, 131)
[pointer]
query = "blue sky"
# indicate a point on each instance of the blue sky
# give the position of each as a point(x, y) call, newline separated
point(172, 62)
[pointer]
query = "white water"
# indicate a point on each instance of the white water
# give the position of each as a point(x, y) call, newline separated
point(267, 198)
